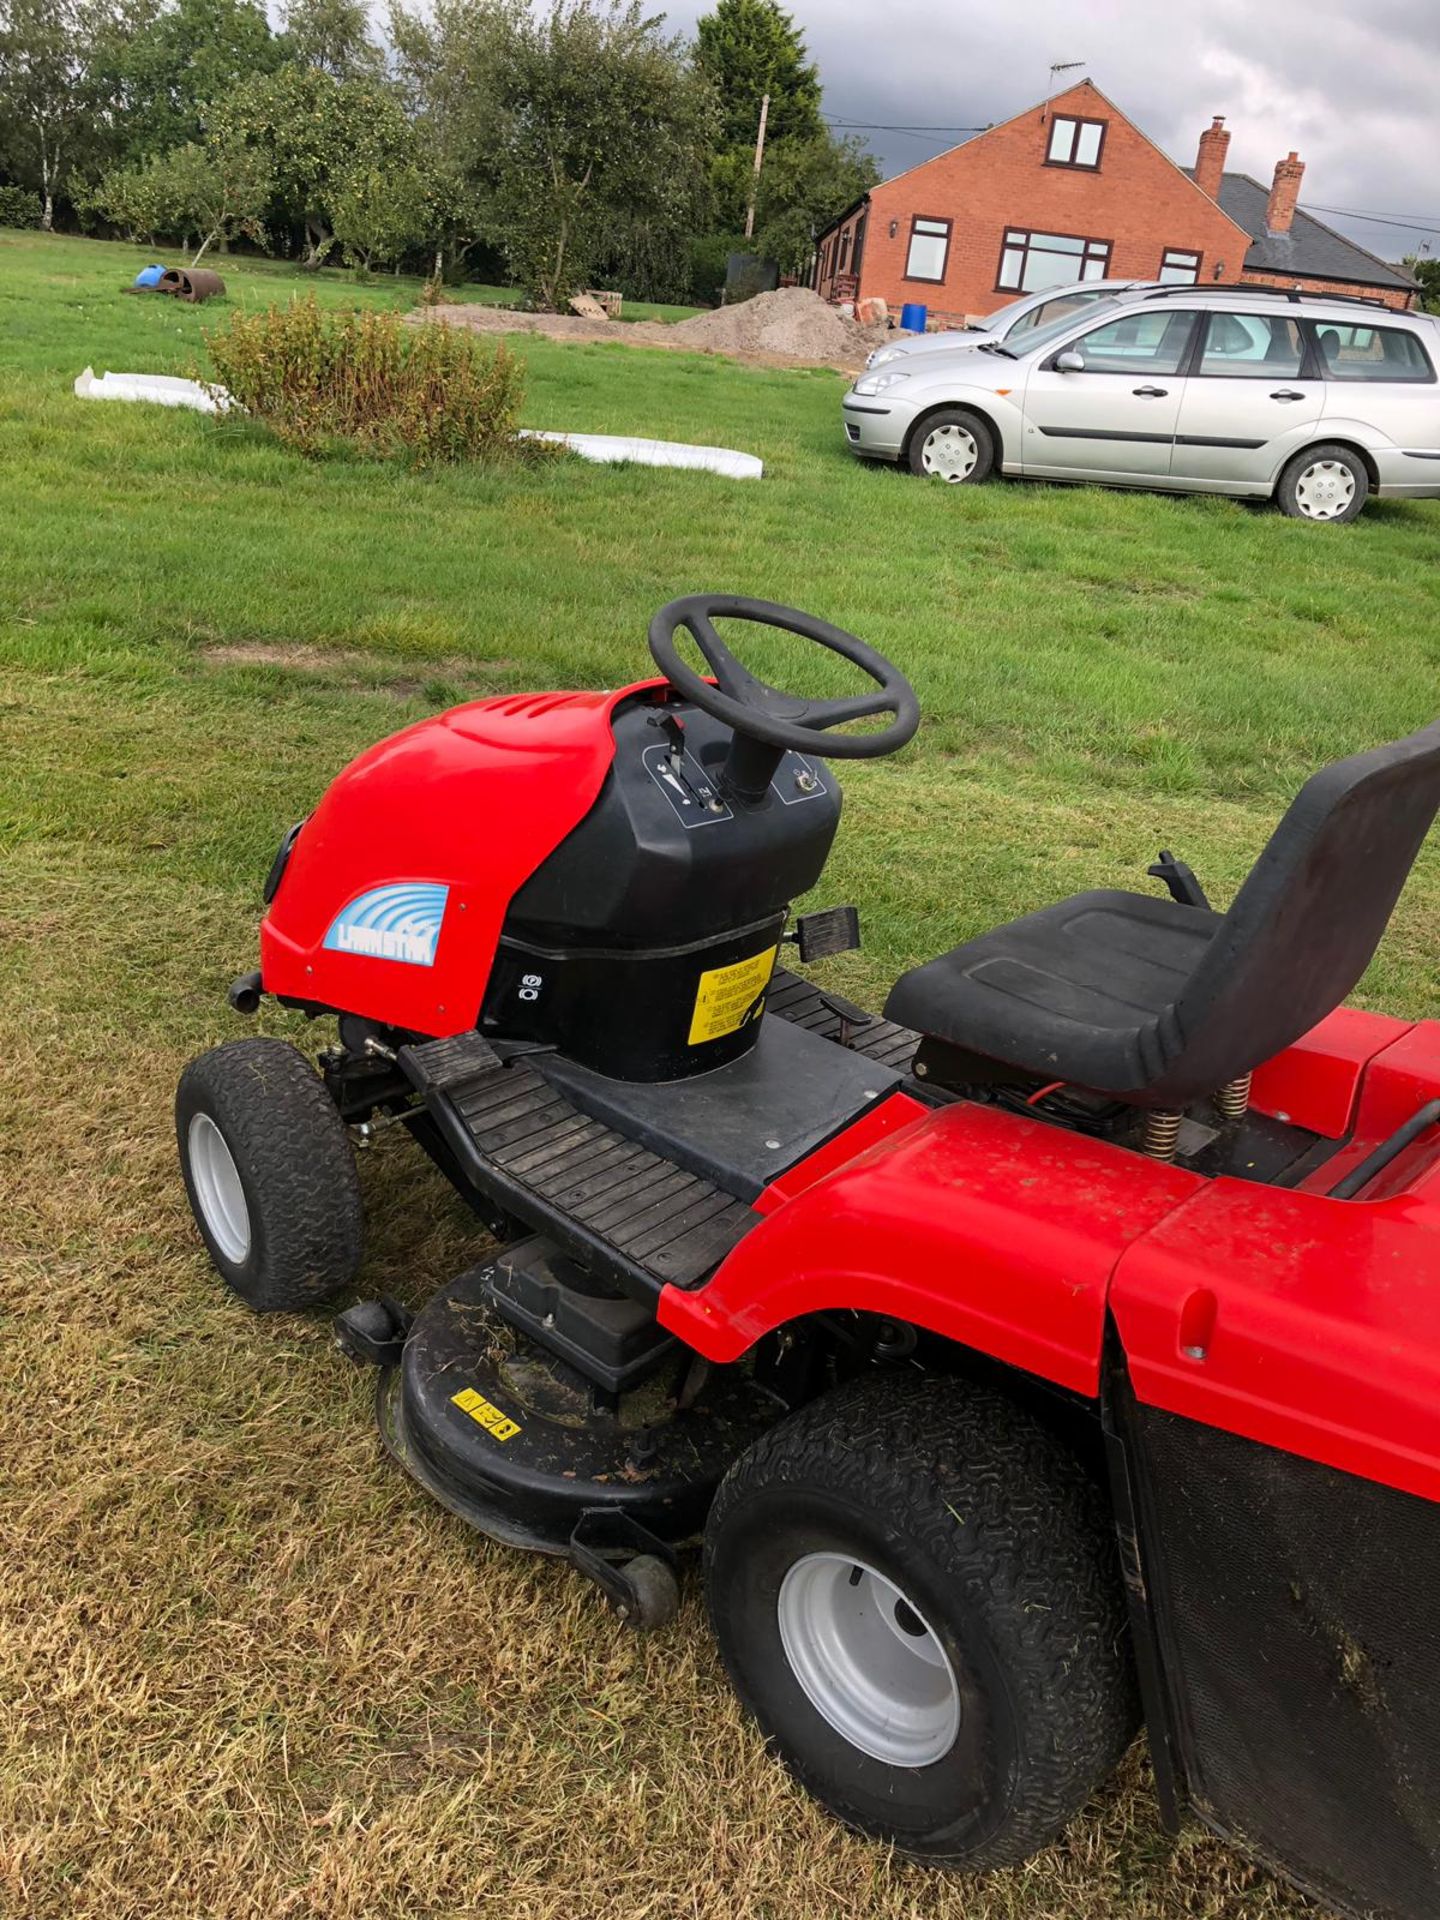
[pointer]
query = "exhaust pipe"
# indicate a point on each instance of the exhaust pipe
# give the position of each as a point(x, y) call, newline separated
point(244, 993)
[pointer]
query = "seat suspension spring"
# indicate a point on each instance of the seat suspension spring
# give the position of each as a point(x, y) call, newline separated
point(1233, 1099)
point(1162, 1132)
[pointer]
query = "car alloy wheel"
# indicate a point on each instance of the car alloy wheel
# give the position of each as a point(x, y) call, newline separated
point(1324, 490)
point(950, 454)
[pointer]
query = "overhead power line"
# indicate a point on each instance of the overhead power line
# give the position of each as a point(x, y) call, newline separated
point(1375, 219)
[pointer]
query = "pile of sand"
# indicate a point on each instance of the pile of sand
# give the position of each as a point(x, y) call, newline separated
point(790, 327)
point(792, 321)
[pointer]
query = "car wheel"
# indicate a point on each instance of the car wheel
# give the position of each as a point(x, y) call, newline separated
point(270, 1174)
point(954, 446)
point(916, 1594)
point(1324, 483)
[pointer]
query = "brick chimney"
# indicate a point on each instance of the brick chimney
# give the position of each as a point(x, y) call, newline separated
point(1210, 160)
point(1284, 192)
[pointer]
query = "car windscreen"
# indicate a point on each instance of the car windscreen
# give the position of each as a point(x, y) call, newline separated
point(1030, 342)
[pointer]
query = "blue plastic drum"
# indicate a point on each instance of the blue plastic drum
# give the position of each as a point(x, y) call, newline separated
point(913, 317)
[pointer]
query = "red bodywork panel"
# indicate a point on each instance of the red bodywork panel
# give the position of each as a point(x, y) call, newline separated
point(471, 802)
point(1313, 1322)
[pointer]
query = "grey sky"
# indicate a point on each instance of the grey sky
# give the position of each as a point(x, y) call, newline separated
point(1350, 86)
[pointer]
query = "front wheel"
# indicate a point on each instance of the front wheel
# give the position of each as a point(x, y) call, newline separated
point(916, 1595)
point(954, 446)
point(270, 1175)
point(1324, 483)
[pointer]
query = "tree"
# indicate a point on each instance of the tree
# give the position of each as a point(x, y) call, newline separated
point(804, 185)
point(179, 57)
point(1427, 272)
point(47, 89)
point(210, 191)
point(333, 35)
point(446, 61)
point(748, 48)
point(382, 212)
point(599, 120)
point(313, 131)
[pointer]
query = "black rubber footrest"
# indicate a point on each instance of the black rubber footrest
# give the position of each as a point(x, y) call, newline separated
point(615, 1206)
point(835, 1019)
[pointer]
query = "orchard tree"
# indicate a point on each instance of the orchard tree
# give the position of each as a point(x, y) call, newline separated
point(598, 120)
point(446, 62)
point(211, 191)
point(313, 131)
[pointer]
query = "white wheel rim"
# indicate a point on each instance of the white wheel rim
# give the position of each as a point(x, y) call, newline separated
point(950, 454)
point(1324, 490)
point(868, 1661)
point(218, 1192)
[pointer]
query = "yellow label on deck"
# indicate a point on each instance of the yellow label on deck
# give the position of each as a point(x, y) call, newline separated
point(729, 996)
point(497, 1424)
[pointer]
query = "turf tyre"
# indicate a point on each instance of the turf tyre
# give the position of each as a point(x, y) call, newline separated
point(1297, 494)
point(955, 446)
point(302, 1229)
point(1001, 1543)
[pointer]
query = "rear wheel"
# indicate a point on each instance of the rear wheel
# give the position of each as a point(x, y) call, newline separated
point(270, 1174)
point(915, 1592)
point(954, 446)
point(1324, 483)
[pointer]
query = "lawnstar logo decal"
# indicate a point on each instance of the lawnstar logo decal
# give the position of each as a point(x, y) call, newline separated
point(400, 922)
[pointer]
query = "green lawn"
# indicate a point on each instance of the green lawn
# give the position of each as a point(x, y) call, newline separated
point(246, 1669)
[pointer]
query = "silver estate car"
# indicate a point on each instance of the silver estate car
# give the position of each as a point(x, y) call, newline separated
point(1012, 322)
point(1317, 402)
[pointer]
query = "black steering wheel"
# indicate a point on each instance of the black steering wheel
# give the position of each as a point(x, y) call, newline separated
point(755, 711)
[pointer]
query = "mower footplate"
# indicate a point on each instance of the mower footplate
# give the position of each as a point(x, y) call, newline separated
point(622, 1211)
point(835, 1019)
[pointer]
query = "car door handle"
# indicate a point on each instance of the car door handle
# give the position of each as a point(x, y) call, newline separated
point(1287, 393)
point(1150, 393)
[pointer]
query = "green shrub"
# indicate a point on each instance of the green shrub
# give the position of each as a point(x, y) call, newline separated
point(19, 207)
point(427, 394)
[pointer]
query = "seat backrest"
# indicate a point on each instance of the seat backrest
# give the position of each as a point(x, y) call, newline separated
point(1304, 926)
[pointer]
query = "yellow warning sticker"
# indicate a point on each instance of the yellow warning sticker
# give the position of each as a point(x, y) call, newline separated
point(730, 996)
point(499, 1425)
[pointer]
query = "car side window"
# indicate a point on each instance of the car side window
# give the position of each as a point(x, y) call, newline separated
point(1049, 311)
point(1149, 342)
point(1371, 353)
point(1255, 346)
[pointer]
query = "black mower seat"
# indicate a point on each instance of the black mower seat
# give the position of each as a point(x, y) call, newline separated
point(1161, 1004)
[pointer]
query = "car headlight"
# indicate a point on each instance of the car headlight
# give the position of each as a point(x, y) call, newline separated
point(883, 354)
point(873, 383)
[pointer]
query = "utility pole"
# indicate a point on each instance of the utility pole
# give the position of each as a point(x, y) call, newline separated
point(759, 156)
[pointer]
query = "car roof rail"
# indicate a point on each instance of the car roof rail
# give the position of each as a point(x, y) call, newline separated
point(1293, 294)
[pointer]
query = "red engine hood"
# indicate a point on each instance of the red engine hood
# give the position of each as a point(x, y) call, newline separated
point(446, 820)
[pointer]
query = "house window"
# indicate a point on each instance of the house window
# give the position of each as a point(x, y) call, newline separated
point(1075, 143)
point(1030, 262)
point(1179, 267)
point(929, 249)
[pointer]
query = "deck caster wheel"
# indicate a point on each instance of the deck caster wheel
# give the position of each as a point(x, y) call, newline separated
point(270, 1174)
point(915, 1591)
point(372, 1332)
point(654, 1597)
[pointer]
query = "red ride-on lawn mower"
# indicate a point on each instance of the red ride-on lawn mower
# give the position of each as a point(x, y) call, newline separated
point(1093, 1288)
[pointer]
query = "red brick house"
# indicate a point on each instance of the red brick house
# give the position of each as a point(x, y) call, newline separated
point(1072, 190)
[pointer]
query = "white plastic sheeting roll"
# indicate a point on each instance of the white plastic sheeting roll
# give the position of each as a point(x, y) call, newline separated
point(606, 449)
